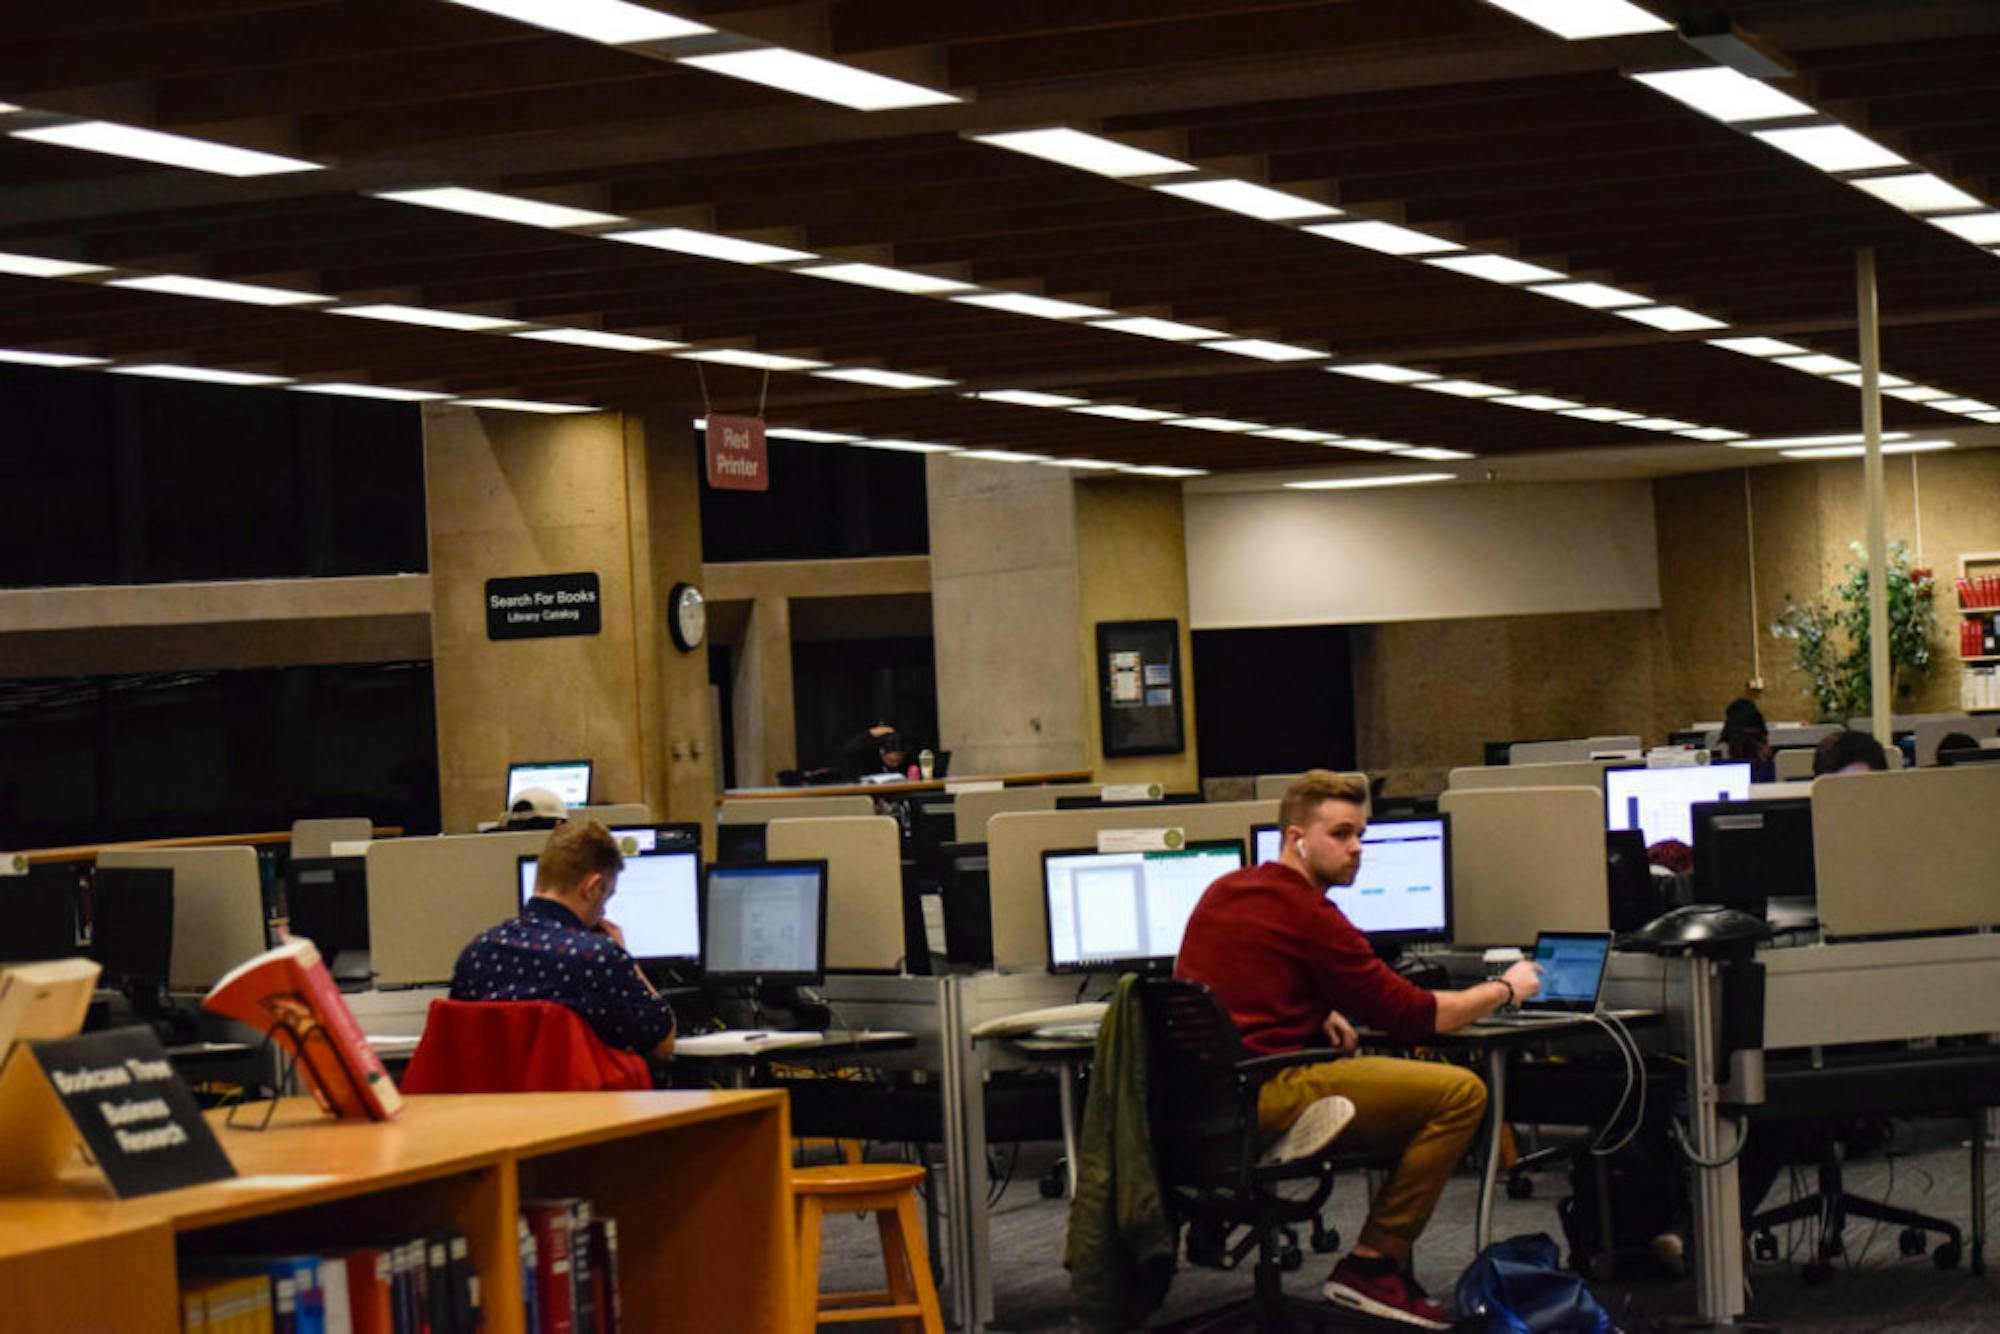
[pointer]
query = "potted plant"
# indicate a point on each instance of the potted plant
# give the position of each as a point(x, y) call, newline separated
point(1830, 635)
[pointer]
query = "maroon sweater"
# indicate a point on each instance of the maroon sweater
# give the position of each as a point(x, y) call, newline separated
point(1279, 955)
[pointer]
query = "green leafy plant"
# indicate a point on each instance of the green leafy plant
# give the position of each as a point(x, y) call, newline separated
point(1830, 635)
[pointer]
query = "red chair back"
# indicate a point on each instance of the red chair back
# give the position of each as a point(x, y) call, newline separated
point(516, 1047)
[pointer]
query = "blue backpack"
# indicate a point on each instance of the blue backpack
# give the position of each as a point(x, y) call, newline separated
point(1515, 1287)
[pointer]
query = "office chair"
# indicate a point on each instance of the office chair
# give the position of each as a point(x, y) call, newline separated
point(516, 1047)
point(1202, 1089)
point(1832, 1206)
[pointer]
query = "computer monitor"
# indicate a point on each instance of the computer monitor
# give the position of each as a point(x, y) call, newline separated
point(1099, 803)
point(568, 779)
point(39, 909)
point(132, 925)
point(1120, 910)
point(737, 844)
point(968, 904)
point(657, 906)
point(1631, 900)
point(645, 838)
point(326, 901)
point(1968, 755)
point(1657, 801)
point(1266, 842)
point(1747, 853)
point(1402, 893)
point(765, 922)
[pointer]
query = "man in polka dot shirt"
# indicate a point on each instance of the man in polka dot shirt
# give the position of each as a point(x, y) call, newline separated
point(562, 948)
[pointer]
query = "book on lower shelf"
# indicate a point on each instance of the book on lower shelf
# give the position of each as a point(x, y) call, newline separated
point(1979, 687)
point(573, 1254)
point(421, 1285)
point(287, 992)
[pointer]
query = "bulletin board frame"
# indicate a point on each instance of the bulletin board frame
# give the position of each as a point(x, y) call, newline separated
point(1139, 684)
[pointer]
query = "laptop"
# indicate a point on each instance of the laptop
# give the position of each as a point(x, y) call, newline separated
point(1572, 964)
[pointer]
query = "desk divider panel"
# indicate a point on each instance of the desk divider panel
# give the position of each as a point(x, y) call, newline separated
point(1524, 860)
point(218, 908)
point(864, 883)
point(1933, 731)
point(1017, 839)
point(1792, 766)
point(315, 838)
point(1271, 787)
point(428, 897)
point(614, 814)
point(1906, 852)
point(763, 810)
point(1555, 773)
point(972, 810)
point(1579, 748)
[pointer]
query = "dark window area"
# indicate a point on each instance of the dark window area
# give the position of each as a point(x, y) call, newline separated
point(105, 759)
point(1273, 701)
point(825, 501)
point(840, 688)
point(115, 480)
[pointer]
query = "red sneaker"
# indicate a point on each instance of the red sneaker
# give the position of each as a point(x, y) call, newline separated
point(1390, 1295)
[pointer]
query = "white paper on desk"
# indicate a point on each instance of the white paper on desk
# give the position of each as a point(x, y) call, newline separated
point(737, 1044)
point(973, 785)
point(1141, 840)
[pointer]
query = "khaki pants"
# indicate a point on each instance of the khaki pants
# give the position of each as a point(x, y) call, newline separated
point(1426, 1111)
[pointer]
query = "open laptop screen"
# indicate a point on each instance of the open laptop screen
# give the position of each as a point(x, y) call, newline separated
point(1572, 964)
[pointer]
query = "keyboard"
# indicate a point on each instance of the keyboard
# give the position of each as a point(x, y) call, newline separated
point(1530, 1018)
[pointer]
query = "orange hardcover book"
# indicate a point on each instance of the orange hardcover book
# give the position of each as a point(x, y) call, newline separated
point(287, 992)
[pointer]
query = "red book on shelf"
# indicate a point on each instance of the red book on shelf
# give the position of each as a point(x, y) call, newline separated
point(368, 1305)
point(288, 992)
point(549, 1221)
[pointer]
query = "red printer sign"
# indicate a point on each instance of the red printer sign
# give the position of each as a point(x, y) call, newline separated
point(736, 457)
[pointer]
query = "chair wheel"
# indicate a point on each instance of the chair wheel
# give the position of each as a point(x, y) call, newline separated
point(1947, 1255)
point(1290, 1258)
point(1817, 1274)
point(1326, 1240)
point(1054, 1182)
point(1911, 1241)
point(1763, 1248)
point(1520, 1187)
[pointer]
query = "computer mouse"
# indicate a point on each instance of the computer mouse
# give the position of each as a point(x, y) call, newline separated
point(1698, 925)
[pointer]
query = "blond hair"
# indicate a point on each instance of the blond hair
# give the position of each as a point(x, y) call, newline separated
point(575, 851)
point(1313, 789)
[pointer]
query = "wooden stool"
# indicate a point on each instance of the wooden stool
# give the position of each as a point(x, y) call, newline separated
point(887, 1190)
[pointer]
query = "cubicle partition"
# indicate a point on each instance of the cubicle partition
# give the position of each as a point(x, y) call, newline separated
point(428, 897)
point(763, 810)
point(218, 908)
point(971, 810)
point(1554, 773)
point(1578, 748)
point(1906, 853)
point(315, 838)
point(864, 884)
point(1270, 787)
point(1017, 839)
point(1931, 731)
point(1525, 860)
point(617, 814)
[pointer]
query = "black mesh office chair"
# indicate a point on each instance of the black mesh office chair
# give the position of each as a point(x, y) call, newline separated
point(1202, 1089)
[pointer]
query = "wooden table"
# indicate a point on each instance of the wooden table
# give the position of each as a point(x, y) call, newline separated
point(700, 1184)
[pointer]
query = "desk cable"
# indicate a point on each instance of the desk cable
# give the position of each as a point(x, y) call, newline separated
point(1635, 1078)
point(1680, 1134)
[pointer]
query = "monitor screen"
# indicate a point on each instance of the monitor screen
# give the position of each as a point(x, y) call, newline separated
point(1657, 801)
point(637, 840)
point(765, 922)
point(1572, 964)
point(327, 903)
point(1747, 853)
point(132, 922)
point(1266, 842)
point(657, 905)
point(39, 909)
point(1126, 909)
point(568, 779)
point(1402, 893)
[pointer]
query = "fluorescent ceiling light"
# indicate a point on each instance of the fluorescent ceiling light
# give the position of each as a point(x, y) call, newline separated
point(1125, 412)
point(1538, 402)
point(1857, 451)
point(1383, 373)
point(1713, 434)
point(171, 150)
point(1298, 435)
point(56, 360)
point(1162, 470)
point(1088, 465)
point(1145, 326)
point(385, 392)
point(1495, 268)
point(6, 107)
point(1030, 398)
point(198, 374)
point(1839, 438)
point(1085, 152)
point(1986, 416)
point(1363, 445)
point(1916, 192)
point(1432, 454)
point(601, 340)
point(756, 361)
point(34, 266)
point(709, 245)
point(1672, 319)
point(1251, 200)
point(1594, 296)
point(1757, 347)
point(1464, 388)
point(526, 405)
point(1385, 238)
point(1357, 483)
point(1660, 424)
point(1832, 148)
point(827, 80)
point(1917, 393)
point(211, 289)
point(1607, 415)
point(1963, 406)
point(1721, 92)
point(1225, 425)
point(905, 446)
point(1041, 307)
point(1264, 349)
point(1817, 363)
point(1580, 20)
point(806, 434)
point(882, 379)
point(1002, 456)
point(501, 208)
point(612, 22)
point(887, 279)
point(1978, 228)
point(456, 321)
point(1885, 381)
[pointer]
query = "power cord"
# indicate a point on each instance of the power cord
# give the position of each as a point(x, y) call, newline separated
point(1680, 1134)
point(1635, 1078)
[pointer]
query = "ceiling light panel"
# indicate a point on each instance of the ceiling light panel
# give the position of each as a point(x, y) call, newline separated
point(826, 80)
point(1917, 393)
point(1539, 402)
point(1430, 454)
point(1581, 20)
point(527, 405)
point(1712, 434)
point(199, 375)
point(1660, 424)
point(386, 393)
point(1297, 435)
point(1592, 296)
point(1364, 445)
point(1608, 416)
point(1223, 425)
point(35, 266)
point(804, 433)
point(1002, 456)
point(1725, 94)
point(1916, 192)
point(1463, 388)
point(1757, 347)
point(1882, 381)
point(456, 321)
point(211, 289)
point(1831, 148)
point(1170, 331)
point(1792, 441)
point(1263, 349)
point(907, 446)
point(1495, 268)
point(1816, 363)
point(1383, 373)
point(1087, 465)
point(1040, 307)
point(1672, 319)
point(1978, 228)
point(170, 150)
point(1125, 412)
point(501, 208)
point(1085, 152)
point(1384, 238)
point(756, 361)
point(53, 360)
point(1361, 483)
point(1859, 451)
point(600, 340)
point(1963, 406)
point(612, 22)
point(887, 279)
point(709, 245)
point(1162, 470)
point(1251, 200)
point(1030, 398)
point(882, 379)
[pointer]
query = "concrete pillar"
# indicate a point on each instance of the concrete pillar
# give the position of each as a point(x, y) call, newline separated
point(761, 693)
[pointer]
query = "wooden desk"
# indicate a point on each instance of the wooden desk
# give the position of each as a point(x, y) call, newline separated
point(687, 1175)
point(903, 787)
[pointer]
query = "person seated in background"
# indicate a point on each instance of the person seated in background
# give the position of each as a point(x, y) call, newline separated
point(1746, 738)
point(1293, 972)
point(878, 750)
point(562, 948)
point(533, 808)
point(1848, 752)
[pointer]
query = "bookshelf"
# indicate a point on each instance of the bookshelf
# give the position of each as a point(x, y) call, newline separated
point(699, 1183)
point(1979, 611)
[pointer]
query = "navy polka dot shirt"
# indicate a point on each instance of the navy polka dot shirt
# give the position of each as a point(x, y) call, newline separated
point(547, 954)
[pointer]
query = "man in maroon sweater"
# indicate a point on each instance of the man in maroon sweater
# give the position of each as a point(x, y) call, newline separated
point(1294, 972)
